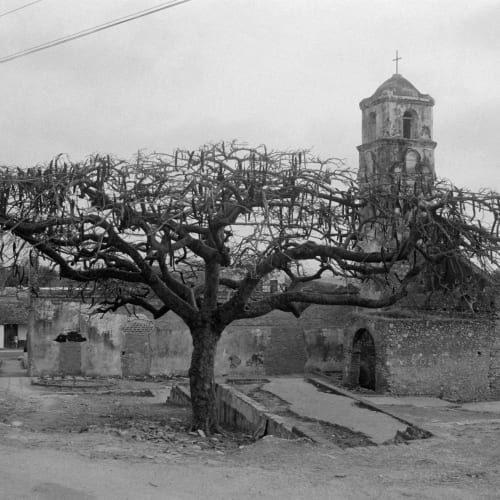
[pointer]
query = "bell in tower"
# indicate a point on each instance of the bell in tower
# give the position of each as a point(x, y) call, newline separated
point(397, 149)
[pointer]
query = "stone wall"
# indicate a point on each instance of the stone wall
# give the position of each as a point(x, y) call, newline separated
point(452, 358)
point(494, 370)
point(13, 306)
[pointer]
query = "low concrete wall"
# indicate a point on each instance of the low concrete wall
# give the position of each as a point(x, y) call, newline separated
point(179, 395)
point(238, 411)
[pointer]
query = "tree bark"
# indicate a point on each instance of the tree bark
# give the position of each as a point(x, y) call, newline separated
point(202, 380)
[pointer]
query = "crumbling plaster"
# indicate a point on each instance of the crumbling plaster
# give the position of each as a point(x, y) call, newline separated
point(118, 344)
point(389, 120)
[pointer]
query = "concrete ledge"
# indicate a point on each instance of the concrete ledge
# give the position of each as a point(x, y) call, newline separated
point(237, 410)
point(180, 395)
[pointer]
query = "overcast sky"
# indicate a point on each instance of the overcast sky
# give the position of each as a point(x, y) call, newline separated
point(287, 73)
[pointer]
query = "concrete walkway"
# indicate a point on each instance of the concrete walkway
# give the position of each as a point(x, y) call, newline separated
point(308, 401)
point(11, 364)
point(436, 415)
point(482, 406)
point(18, 386)
point(12, 368)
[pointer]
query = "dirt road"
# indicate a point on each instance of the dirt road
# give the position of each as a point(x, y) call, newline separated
point(63, 445)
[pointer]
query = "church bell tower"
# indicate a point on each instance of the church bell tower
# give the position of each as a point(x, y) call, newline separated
point(397, 147)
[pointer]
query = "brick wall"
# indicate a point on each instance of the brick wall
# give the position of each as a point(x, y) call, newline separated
point(136, 351)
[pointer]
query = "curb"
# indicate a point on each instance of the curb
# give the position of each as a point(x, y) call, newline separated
point(236, 409)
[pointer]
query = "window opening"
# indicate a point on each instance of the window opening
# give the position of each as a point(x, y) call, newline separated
point(408, 125)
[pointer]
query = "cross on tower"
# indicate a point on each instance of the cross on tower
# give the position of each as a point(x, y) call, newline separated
point(397, 59)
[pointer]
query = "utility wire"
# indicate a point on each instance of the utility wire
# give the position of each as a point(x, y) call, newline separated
point(93, 29)
point(19, 8)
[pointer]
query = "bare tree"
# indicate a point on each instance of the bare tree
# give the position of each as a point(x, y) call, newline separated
point(161, 231)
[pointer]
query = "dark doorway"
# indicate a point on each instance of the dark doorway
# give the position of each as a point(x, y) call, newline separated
point(363, 360)
point(11, 339)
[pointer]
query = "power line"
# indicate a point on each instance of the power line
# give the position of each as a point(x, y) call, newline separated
point(19, 8)
point(93, 29)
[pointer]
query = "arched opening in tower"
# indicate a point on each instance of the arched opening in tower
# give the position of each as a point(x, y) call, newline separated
point(409, 124)
point(363, 361)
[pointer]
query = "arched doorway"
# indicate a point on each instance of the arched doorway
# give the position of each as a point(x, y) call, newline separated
point(363, 360)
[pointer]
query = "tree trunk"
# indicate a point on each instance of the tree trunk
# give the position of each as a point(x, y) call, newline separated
point(201, 379)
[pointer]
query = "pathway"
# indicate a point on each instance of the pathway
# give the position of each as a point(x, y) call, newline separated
point(11, 364)
point(308, 401)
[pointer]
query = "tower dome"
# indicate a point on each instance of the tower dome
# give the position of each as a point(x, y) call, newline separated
point(396, 87)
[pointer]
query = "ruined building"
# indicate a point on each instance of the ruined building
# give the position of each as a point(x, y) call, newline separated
point(419, 347)
point(422, 346)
